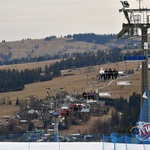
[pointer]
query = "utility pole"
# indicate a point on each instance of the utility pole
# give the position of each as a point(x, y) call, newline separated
point(139, 20)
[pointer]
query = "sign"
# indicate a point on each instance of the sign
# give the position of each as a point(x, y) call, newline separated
point(144, 131)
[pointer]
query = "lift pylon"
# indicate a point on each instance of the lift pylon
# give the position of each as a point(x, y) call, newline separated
point(139, 20)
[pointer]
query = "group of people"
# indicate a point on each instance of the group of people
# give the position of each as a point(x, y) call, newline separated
point(75, 107)
point(108, 73)
point(88, 95)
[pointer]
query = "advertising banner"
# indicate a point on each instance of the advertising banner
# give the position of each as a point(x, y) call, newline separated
point(144, 131)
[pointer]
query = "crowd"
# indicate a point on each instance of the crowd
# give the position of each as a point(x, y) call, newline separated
point(108, 74)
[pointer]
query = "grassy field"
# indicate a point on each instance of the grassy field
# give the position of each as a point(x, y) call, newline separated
point(82, 79)
point(28, 65)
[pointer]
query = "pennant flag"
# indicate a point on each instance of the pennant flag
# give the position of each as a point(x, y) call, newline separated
point(145, 95)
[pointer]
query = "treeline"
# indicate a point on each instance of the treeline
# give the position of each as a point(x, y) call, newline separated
point(8, 61)
point(125, 115)
point(93, 38)
point(14, 80)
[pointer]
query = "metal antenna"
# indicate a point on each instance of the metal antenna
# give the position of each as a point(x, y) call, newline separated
point(139, 3)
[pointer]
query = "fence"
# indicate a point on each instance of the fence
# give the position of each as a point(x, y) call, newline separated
point(124, 142)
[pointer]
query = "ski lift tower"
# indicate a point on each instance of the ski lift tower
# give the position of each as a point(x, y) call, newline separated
point(55, 114)
point(138, 23)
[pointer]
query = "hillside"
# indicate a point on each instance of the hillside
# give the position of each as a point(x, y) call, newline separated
point(70, 82)
point(82, 79)
point(40, 47)
point(78, 81)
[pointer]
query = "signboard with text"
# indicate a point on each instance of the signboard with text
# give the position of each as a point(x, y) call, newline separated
point(144, 131)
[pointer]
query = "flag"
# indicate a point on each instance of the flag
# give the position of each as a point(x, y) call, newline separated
point(145, 95)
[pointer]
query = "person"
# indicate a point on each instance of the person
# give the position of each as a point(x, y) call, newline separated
point(110, 73)
point(84, 95)
point(101, 73)
point(91, 96)
point(80, 107)
point(71, 106)
point(106, 74)
point(115, 73)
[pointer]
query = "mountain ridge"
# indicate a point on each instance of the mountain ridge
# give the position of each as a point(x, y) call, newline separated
point(31, 48)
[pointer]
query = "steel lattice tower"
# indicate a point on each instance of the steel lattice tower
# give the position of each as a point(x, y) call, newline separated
point(139, 20)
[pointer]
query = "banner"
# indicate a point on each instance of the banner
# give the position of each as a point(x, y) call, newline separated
point(144, 131)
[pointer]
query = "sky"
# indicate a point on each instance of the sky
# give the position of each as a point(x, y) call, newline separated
point(37, 19)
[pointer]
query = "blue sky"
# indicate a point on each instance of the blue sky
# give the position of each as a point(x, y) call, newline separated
point(36, 19)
